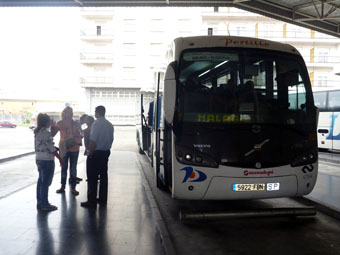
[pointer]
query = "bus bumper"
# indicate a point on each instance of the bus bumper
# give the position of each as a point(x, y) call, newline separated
point(197, 183)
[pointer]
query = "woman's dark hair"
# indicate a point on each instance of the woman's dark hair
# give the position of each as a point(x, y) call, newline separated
point(89, 119)
point(66, 109)
point(83, 118)
point(42, 121)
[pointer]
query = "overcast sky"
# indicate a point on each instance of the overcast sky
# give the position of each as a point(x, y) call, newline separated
point(39, 49)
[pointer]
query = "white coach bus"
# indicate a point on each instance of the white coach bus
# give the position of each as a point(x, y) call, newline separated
point(328, 102)
point(235, 120)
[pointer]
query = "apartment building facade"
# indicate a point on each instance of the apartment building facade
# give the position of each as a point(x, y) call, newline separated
point(122, 49)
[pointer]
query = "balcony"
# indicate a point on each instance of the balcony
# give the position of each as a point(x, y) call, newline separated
point(96, 58)
point(228, 13)
point(96, 81)
point(97, 34)
point(95, 13)
point(284, 36)
point(325, 83)
point(322, 61)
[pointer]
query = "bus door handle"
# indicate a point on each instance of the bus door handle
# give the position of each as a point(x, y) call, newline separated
point(323, 131)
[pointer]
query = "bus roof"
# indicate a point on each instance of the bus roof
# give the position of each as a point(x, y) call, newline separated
point(183, 43)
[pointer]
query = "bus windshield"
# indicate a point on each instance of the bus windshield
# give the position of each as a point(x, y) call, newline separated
point(242, 85)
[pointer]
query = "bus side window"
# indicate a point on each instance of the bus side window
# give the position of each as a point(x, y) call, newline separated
point(333, 100)
point(320, 100)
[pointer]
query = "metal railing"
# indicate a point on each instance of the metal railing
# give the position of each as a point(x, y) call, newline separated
point(95, 32)
point(322, 59)
point(325, 83)
point(96, 56)
point(100, 11)
point(289, 34)
point(96, 80)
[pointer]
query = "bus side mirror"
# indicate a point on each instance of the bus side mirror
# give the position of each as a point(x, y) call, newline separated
point(169, 93)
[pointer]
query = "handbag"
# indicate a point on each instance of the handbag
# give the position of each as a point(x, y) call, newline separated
point(70, 142)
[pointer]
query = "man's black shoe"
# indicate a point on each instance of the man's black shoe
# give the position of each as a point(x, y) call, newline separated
point(88, 205)
point(101, 203)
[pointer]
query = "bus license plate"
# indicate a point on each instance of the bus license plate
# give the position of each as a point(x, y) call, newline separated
point(249, 187)
point(273, 186)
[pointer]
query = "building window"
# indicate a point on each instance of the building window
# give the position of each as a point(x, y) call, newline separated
point(156, 48)
point(129, 73)
point(129, 49)
point(322, 81)
point(157, 25)
point(96, 94)
point(323, 57)
point(123, 94)
point(129, 25)
point(185, 26)
point(99, 30)
point(240, 30)
point(270, 31)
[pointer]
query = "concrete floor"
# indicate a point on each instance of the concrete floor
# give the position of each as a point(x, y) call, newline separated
point(125, 226)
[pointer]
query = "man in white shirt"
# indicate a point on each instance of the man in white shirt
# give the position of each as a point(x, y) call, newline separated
point(101, 139)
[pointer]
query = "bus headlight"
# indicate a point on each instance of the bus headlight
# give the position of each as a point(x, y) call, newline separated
point(308, 158)
point(188, 157)
point(198, 159)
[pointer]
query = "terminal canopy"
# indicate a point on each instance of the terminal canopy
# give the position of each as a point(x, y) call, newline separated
point(319, 15)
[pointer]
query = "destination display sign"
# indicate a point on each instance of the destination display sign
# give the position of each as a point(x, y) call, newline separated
point(216, 117)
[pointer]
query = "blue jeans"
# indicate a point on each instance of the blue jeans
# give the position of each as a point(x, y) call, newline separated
point(73, 157)
point(46, 172)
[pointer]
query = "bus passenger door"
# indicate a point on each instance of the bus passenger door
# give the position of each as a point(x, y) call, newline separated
point(335, 128)
point(324, 128)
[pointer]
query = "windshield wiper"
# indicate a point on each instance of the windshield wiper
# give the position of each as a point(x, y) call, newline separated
point(257, 147)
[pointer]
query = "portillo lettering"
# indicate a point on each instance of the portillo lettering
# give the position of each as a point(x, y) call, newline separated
point(246, 42)
point(264, 172)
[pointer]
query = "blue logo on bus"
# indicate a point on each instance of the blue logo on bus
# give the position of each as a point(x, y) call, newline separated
point(331, 136)
point(192, 175)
